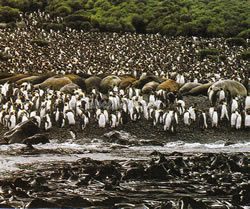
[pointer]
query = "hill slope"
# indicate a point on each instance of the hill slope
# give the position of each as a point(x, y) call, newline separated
point(176, 17)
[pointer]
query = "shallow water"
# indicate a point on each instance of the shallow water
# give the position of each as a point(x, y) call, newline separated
point(98, 150)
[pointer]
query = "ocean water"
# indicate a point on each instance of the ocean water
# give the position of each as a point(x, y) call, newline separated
point(98, 150)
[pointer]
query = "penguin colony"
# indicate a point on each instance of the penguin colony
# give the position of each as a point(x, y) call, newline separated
point(118, 106)
point(135, 77)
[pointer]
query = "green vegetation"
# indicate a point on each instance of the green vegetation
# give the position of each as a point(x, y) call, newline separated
point(236, 42)
point(208, 53)
point(245, 55)
point(210, 18)
point(40, 42)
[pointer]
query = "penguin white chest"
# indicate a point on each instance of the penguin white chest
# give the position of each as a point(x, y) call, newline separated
point(215, 119)
point(71, 118)
point(102, 121)
point(247, 121)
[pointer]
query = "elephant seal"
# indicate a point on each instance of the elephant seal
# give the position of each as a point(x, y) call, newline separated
point(149, 87)
point(188, 86)
point(199, 90)
point(55, 83)
point(69, 88)
point(169, 85)
point(34, 79)
point(231, 87)
point(93, 82)
point(14, 78)
point(76, 79)
point(109, 82)
point(22, 131)
point(146, 79)
point(126, 82)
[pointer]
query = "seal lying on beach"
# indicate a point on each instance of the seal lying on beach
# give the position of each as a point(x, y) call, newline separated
point(55, 83)
point(169, 85)
point(92, 82)
point(109, 82)
point(230, 87)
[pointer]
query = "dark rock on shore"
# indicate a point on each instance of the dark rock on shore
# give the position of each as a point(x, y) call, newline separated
point(22, 131)
point(167, 180)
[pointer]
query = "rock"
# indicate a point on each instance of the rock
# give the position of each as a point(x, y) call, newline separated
point(39, 203)
point(72, 202)
point(116, 137)
point(3, 205)
point(22, 131)
point(36, 139)
point(113, 135)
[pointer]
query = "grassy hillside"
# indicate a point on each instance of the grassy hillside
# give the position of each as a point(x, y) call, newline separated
point(169, 17)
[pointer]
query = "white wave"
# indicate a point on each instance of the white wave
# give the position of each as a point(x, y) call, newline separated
point(98, 150)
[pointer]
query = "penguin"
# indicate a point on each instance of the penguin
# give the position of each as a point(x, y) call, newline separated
point(222, 95)
point(224, 112)
point(215, 119)
point(12, 121)
point(79, 111)
point(70, 117)
point(65, 108)
point(72, 134)
point(180, 106)
point(43, 111)
point(105, 112)
point(234, 105)
point(233, 120)
point(24, 117)
point(72, 103)
point(204, 117)
point(182, 79)
point(102, 120)
point(97, 113)
point(238, 121)
point(151, 99)
point(113, 121)
point(156, 117)
point(48, 123)
point(168, 121)
point(192, 112)
point(186, 118)
point(247, 103)
point(84, 121)
point(158, 104)
point(119, 118)
point(59, 118)
point(33, 114)
point(247, 120)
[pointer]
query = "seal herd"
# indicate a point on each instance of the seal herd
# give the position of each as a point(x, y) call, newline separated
point(78, 78)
